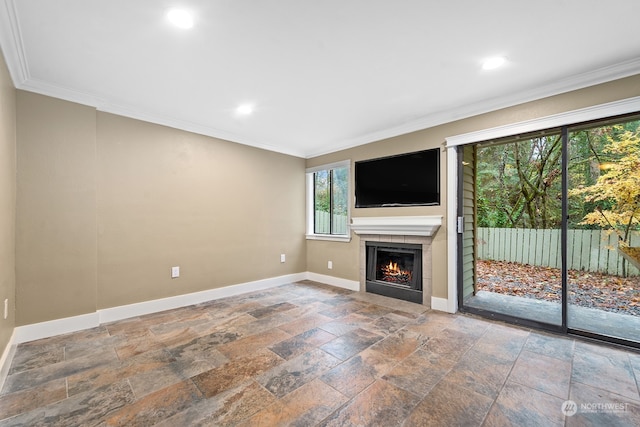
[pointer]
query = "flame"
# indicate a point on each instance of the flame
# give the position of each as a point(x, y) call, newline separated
point(393, 268)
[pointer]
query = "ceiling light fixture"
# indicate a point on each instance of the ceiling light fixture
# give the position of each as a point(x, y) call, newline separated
point(245, 109)
point(493, 63)
point(181, 18)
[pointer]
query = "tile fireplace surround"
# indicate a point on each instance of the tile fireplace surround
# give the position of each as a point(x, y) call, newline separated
point(402, 229)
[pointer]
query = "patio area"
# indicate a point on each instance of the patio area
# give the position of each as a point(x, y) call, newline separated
point(600, 303)
point(587, 319)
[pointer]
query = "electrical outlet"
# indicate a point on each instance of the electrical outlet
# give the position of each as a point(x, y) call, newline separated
point(175, 272)
point(282, 258)
point(330, 265)
point(6, 308)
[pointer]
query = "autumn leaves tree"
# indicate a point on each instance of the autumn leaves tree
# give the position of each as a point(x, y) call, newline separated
point(616, 193)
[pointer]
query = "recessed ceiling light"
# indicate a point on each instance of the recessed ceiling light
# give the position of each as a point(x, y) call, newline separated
point(493, 63)
point(245, 109)
point(181, 18)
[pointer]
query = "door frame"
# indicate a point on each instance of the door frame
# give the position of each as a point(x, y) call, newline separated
point(453, 143)
point(595, 112)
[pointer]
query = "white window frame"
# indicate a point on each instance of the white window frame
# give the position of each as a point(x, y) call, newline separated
point(311, 235)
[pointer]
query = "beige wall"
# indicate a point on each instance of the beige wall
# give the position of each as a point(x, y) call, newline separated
point(347, 267)
point(221, 211)
point(56, 209)
point(7, 203)
point(107, 205)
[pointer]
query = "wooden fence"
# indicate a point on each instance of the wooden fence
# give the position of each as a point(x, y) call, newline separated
point(587, 250)
point(322, 222)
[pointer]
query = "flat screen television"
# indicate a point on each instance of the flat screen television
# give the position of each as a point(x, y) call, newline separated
point(411, 179)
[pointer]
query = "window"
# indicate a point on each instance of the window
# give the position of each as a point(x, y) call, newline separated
point(328, 201)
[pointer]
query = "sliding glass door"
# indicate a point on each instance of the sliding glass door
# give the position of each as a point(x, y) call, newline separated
point(549, 227)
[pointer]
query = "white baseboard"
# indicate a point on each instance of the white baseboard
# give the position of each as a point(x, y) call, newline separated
point(147, 307)
point(51, 328)
point(441, 304)
point(352, 285)
point(91, 320)
point(7, 358)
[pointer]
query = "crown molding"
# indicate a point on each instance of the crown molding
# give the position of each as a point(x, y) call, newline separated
point(609, 109)
point(11, 43)
point(100, 103)
point(580, 81)
point(60, 92)
point(193, 127)
point(13, 49)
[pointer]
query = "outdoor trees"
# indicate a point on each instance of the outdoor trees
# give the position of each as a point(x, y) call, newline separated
point(616, 193)
point(330, 200)
point(519, 183)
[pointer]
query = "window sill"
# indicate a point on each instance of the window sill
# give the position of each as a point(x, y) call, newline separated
point(334, 238)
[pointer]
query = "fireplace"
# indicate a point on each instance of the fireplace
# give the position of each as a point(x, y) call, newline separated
point(394, 270)
point(415, 231)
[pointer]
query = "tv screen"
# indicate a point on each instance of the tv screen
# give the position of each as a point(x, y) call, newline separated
point(411, 179)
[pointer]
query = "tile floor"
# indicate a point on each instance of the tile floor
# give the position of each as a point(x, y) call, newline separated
point(306, 354)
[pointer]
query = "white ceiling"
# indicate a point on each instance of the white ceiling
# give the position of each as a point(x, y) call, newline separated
point(323, 75)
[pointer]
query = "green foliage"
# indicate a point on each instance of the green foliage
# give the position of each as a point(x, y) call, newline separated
point(340, 186)
point(331, 200)
point(321, 190)
point(519, 182)
point(331, 188)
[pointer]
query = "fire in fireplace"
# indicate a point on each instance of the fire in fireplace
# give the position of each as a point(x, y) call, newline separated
point(395, 270)
point(393, 274)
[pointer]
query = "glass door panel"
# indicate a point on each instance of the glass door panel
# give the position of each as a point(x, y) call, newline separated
point(518, 228)
point(603, 232)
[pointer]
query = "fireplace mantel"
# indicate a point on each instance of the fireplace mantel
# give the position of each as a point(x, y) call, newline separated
point(397, 225)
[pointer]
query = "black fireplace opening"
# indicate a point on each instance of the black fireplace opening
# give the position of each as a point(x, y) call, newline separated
point(394, 270)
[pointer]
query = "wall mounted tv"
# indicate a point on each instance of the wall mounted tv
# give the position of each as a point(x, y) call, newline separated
point(411, 179)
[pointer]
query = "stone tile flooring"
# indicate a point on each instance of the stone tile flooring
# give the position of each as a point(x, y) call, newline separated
point(306, 354)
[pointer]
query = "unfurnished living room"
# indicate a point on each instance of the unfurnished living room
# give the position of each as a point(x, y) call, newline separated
point(336, 213)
